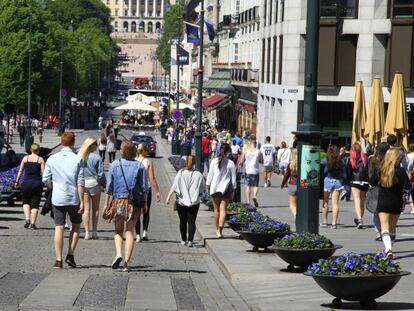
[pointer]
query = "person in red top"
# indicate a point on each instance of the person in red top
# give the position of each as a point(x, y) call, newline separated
point(205, 151)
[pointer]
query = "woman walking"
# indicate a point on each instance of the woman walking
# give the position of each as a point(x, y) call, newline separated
point(142, 154)
point(31, 167)
point(290, 178)
point(359, 182)
point(111, 147)
point(252, 157)
point(283, 157)
point(126, 178)
point(221, 182)
point(94, 177)
point(332, 186)
point(102, 142)
point(188, 186)
point(392, 181)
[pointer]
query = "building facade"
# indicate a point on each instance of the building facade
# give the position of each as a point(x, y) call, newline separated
point(137, 15)
point(359, 40)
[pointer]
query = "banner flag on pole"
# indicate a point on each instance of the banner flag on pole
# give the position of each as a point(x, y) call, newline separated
point(190, 7)
point(192, 32)
point(211, 31)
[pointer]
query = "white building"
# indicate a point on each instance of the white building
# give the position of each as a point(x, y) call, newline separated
point(359, 40)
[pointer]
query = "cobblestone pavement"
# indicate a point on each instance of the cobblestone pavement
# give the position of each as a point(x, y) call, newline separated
point(164, 276)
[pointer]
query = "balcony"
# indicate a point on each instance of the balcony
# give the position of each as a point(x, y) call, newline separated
point(229, 22)
point(245, 77)
point(249, 16)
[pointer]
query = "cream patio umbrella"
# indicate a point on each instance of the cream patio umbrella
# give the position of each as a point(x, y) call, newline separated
point(136, 105)
point(396, 121)
point(374, 126)
point(360, 115)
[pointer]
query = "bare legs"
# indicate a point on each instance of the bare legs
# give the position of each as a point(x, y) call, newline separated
point(129, 239)
point(335, 207)
point(30, 215)
point(292, 205)
point(220, 206)
point(251, 193)
point(359, 202)
point(95, 212)
point(73, 240)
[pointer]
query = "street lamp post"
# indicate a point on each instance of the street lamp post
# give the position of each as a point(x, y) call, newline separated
point(61, 126)
point(28, 140)
point(309, 133)
point(200, 93)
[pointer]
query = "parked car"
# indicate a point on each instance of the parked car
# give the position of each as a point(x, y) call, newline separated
point(148, 141)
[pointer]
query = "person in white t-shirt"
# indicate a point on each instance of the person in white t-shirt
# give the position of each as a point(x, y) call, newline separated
point(269, 153)
point(283, 158)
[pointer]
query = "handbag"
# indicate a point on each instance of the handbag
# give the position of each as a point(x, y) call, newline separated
point(108, 213)
point(372, 199)
point(136, 199)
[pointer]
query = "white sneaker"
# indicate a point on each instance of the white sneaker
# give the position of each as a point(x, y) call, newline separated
point(138, 238)
point(145, 235)
point(94, 235)
point(190, 244)
point(219, 235)
point(183, 243)
point(265, 185)
point(87, 237)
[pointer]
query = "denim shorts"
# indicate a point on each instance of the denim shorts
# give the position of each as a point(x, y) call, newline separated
point(252, 180)
point(332, 184)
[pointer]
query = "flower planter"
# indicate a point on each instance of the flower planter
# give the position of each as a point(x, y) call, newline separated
point(229, 214)
point(235, 226)
point(303, 257)
point(261, 240)
point(362, 288)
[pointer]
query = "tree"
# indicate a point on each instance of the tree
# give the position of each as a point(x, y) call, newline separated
point(173, 28)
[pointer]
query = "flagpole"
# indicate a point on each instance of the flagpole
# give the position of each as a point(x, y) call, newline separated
point(200, 93)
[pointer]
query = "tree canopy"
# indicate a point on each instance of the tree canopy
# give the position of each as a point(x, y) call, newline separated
point(78, 28)
point(173, 28)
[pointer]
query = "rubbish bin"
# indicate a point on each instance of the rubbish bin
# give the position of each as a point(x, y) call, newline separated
point(185, 149)
point(175, 147)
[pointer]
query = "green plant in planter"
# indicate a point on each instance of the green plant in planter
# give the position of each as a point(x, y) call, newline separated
point(356, 264)
point(237, 207)
point(266, 226)
point(248, 217)
point(304, 241)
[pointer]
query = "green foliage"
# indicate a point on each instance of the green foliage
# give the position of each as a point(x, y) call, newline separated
point(173, 28)
point(87, 50)
point(237, 207)
point(356, 264)
point(304, 241)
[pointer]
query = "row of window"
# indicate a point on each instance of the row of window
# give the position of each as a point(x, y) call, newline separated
point(133, 27)
point(142, 2)
point(270, 68)
point(134, 13)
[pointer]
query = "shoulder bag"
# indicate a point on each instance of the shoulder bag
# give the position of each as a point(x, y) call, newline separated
point(136, 199)
point(372, 199)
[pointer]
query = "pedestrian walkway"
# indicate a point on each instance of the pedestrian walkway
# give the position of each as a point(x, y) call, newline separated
point(165, 275)
point(261, 278)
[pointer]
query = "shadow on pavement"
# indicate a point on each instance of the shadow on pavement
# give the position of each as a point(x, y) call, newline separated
point(161, 241)
point(167, 270)
point(10, 219)
point(379, 306)
point(294, 270)
point(10, 212)
point(3, 228)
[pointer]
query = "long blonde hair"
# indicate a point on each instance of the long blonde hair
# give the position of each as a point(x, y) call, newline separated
point(387, 167)
point(141, 151)
point(293, 164)
point(85, 150)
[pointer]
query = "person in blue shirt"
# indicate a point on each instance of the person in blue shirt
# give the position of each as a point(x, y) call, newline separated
point(125, 176)
point(65, 170)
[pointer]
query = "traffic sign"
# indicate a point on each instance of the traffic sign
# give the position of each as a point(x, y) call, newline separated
point(177, 114)
point(63, 92)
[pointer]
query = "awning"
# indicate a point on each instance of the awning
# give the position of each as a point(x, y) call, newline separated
point(212, 101)
point(249, 108)
point(220, 80)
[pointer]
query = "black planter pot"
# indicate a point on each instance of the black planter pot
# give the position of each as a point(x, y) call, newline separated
point(303, 257)
point(236, 226)
point(362, 288)
point(261, 240)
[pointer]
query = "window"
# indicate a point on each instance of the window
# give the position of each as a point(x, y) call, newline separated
point(279, 78)
point(265, 12)
point(402, 9)
point(107, 2)
point(282, 13)
point(276, 11)
point(337, 58)
point(158, 13)
point(116, 12)
point(269, 49)
point(237, 7)
point(338, 9)
point(274, 60)
point(116, 2)
point(271, 12)
point(236, 52)
point(263, 59)
point(126, 13)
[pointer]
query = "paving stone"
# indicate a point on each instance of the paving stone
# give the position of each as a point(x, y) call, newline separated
point(15, 286)
point(103, 292)
point(186, 295)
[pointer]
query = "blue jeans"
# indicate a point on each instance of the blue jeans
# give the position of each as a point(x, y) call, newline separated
point(205, 161)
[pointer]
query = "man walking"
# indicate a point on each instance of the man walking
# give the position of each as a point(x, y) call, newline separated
point(269, 152)
point(205, 150)
point(65, 170)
